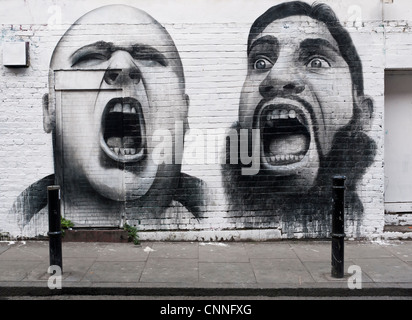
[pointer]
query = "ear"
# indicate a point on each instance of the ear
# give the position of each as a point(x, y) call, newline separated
point(366, 107)
point(48, 116)
point(186, 122)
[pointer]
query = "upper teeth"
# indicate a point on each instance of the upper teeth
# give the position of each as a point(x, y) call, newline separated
point(125, 108)
point(281, 114)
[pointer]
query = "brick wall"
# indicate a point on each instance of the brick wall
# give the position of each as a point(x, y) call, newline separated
point(211, 39)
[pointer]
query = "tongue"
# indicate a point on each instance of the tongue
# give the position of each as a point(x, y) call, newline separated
point(288, 144)
point(114, 142)
point(131, 142)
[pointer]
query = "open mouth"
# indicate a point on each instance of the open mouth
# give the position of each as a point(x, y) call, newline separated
point(123, 130)
point(284, 134)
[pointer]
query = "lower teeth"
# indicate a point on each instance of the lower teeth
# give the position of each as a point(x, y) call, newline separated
point(123, 145)
point(124, 151)
point(283, 158)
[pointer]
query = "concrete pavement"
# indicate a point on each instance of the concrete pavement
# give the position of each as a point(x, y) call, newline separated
point(279, 268)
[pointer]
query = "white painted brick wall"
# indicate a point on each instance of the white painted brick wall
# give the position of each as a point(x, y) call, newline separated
point(211, 39)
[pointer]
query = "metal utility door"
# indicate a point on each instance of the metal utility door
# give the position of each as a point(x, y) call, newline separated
point(398, 141)
point(78, 148)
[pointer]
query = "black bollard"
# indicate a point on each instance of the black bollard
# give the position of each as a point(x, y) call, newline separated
point(338, 226)
point(55, 234)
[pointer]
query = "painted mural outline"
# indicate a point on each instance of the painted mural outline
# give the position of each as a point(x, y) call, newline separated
point(304, 92)
point(108, 93)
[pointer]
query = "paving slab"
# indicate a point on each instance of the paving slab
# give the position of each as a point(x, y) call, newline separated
point(115, 271)
point(222, 252)
point(226, 272)
point(12, 270)
point(270, 250)
point(386, 269)
point(85, 250)
point(184, 250)
point(280, 271)
point(39, 272)
point(27, 251)
point(321, 271)
point(4, 245)
point(312, 251)
point(362, 250)
point(170, 270)
point(402, 252)
point(122, 252)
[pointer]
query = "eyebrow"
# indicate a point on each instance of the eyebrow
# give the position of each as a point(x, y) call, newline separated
point(144, 52)
point(266, 40)
point(316, 45)
point(106, 49)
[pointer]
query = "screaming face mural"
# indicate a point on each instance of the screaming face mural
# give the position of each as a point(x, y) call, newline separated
point(304, 93)
point(110, 93)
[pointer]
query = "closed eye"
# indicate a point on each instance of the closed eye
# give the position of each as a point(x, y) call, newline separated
point(92, 54)
point(90, 59)
point(100, 51)
point(149, 55)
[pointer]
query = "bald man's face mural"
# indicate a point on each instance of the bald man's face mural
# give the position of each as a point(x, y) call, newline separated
point(116, 78)
point(304, 93)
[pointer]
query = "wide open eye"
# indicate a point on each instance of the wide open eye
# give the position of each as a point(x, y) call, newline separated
point(317, 63)
point(262, 64)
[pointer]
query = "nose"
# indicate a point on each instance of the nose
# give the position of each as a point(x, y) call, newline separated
point(281, 85)
point(122, 70)
point(122, 76)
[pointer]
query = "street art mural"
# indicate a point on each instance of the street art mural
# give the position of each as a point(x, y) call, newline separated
point(304, 94)
point(117, 111)
point(110, 95)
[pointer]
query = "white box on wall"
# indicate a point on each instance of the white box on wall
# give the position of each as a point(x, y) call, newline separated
point(16, 54)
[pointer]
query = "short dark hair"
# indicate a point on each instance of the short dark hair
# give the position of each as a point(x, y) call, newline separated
point(322, 13)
